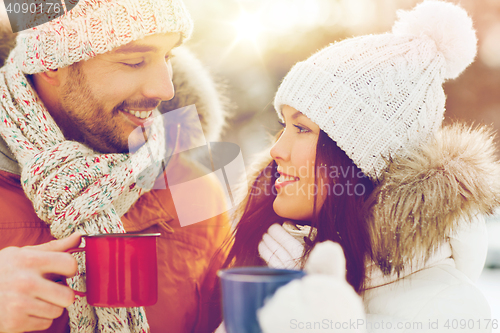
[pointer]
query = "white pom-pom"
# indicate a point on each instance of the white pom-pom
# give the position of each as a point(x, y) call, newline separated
point(448, 25)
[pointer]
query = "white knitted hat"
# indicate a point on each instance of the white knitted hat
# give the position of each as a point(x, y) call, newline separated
point(378, 94)
point(94, 27)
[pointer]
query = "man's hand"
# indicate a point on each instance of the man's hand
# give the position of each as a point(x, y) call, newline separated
point(29, 300)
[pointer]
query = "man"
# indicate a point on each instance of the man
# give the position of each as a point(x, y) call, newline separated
point(98, 81)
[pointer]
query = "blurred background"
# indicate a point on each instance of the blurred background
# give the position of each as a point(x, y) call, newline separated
point(251, 44)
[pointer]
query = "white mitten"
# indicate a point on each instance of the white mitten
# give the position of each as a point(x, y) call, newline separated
point(327, 258)
point(322, 300)
point(279, 249)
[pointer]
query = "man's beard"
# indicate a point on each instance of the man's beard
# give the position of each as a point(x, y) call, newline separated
point(98, 127)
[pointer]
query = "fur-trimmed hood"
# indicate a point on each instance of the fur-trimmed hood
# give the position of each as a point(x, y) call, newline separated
point(424, 194)
point(7, 43)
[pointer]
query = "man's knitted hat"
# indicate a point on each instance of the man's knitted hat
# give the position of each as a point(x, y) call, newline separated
point(94, 27)
point(378, 94)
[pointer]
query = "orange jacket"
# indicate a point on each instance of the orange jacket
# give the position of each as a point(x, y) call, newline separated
point(188, 257)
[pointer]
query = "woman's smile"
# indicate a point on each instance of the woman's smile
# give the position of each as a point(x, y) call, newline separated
point(284, 180)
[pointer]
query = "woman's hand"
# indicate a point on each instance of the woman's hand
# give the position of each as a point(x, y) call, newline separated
point(322, 293)
point(279, 249)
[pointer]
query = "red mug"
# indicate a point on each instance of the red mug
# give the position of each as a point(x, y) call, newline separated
point(121, 270)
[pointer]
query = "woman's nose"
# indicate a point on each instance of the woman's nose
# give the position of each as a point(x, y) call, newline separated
point(281, 149)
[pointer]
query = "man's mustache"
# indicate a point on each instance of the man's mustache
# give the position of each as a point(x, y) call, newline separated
point(143, 104)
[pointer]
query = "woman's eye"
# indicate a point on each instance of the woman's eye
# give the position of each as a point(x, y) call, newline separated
point(301, 129)
point(281, 124)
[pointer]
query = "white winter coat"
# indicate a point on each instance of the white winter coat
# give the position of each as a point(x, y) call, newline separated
point(440, 297)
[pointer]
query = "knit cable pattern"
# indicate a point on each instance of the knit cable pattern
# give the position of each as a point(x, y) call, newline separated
point(95, 27)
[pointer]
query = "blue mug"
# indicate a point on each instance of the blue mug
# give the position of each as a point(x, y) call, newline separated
point(244, 291)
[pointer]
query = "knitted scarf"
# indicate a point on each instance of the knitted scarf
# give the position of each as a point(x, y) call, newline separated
point(73, 188)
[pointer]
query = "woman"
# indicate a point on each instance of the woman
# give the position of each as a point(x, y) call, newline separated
point(364, 161)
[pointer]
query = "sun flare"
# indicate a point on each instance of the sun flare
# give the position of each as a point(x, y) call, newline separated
point(248, 26)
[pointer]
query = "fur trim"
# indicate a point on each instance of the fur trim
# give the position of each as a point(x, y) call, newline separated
point(194, 85)
point(7, 43)
point(423, 196)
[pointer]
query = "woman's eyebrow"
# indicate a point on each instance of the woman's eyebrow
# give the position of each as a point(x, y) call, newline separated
point(297, 115)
